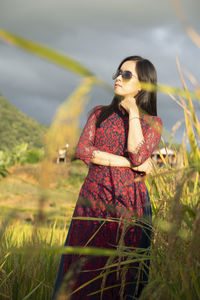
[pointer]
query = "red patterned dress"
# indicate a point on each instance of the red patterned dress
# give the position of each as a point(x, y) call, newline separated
point(109, 193)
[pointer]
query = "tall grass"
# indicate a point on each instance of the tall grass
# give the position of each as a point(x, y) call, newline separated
point(29, 255)
point(29, 273)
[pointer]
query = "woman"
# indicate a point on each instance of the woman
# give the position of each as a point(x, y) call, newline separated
point(116, 143)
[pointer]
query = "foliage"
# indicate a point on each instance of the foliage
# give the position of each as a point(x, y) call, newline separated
point(34, 155)
point(30, 272)
point(174, 268)
point(16, 128)
point(20, 154)
point(27, 273)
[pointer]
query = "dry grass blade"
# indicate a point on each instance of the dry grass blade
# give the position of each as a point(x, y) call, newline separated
point(195, 37)
point(177, 101)
point(65, 127)
point(192, 80)
point(45, 52)
point(174, 129)
point(191, 107)
point(191, 135)
point(166, 89)
point(184, 151)
point(91, 238)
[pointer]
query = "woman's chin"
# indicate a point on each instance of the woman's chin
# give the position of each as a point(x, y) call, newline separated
point(117, 93)
point(119, 98)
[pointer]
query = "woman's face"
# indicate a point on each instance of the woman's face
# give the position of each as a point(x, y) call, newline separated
point(127, 87)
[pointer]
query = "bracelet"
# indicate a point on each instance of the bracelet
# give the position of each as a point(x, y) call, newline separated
point(135, 118)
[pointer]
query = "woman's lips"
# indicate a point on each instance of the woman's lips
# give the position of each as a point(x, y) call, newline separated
point(117, 85)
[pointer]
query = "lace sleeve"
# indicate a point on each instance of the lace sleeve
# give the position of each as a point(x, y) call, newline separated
point(151, 141)
point(85, 147)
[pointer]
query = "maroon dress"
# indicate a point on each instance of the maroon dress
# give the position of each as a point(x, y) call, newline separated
point(110, 193)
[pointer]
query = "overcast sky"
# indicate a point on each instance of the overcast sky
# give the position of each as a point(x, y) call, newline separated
point(98, 34)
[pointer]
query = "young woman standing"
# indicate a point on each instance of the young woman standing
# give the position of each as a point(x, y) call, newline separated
point(116, 143)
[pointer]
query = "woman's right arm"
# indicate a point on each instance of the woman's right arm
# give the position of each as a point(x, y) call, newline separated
point(109, 159)
point(86, 151)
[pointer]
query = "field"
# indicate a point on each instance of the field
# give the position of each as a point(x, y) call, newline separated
point(37, 199)
point(22, 272)
point(34, 223)
point(21, 191)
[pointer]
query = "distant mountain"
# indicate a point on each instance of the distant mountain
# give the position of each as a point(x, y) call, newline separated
point(17, 128)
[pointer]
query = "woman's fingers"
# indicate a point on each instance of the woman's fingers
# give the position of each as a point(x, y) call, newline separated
point(148, 166)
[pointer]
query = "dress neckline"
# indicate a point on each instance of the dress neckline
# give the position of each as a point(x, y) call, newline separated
point(119, 112)
point(143, 117)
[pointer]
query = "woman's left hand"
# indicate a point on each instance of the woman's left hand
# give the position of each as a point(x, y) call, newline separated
point(145, 167)
point(129, 104)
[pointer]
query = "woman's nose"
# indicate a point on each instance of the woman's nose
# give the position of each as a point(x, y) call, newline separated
point(119, 77)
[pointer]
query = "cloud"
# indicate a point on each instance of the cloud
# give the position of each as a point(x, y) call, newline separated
point(99, 34)
point(113, 13)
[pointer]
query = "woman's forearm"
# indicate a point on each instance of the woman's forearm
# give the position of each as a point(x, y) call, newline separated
point(135, 133)
point(108, 159)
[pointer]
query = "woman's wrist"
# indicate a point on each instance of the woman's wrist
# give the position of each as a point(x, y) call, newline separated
point(134, 112)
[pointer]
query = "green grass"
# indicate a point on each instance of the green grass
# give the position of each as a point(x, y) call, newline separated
point(28, 270)
point(21, 191)
point(21, 274)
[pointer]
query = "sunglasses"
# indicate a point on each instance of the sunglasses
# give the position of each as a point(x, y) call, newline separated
point(125, 74)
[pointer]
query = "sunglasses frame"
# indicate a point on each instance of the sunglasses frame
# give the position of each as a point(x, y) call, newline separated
point(120, 72)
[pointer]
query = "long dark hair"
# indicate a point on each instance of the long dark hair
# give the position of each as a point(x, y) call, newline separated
point(146, 101)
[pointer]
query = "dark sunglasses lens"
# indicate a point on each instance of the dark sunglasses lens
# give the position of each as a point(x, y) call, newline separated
point(127, 75)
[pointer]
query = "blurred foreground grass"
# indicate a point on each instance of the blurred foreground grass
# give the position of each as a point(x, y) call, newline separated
point(44, 195)
point(21, 191)
point(30, 272)
point(37, 203)
point(29, 258)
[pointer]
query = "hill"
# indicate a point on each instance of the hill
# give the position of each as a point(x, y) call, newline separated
point(17, 128)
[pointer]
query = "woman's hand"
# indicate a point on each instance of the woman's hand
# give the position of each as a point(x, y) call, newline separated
point(146, 167)
point(129, 104)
